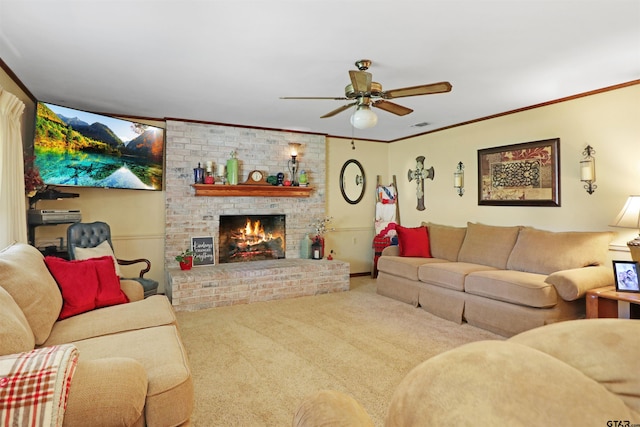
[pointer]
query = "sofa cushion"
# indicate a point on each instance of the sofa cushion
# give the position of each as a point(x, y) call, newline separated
point(147, 313)
point(450, 275)
point(15, 333)
point(406, 267)
point(103, 249)
point(605, 350)
point(86, 284)
point(515, 287)
point(161, 353)
point(413, 242)
point(24, 275)
point(445, 241)
point(488, 244)
point(544, 252)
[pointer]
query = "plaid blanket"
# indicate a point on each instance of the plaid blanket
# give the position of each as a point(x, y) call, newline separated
point(34, 386)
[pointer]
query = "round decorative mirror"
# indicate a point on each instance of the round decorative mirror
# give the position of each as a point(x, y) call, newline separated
point(352, 181)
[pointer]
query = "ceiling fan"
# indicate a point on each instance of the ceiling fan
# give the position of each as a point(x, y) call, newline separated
point(366, 93)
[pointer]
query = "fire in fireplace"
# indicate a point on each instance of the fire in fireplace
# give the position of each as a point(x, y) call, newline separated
point(251, 238)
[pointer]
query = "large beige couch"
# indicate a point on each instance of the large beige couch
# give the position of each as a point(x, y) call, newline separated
point(574, 373)
point(132, 368)
point(503, 279)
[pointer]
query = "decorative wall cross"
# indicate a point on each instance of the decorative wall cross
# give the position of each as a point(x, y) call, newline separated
point(420, 174)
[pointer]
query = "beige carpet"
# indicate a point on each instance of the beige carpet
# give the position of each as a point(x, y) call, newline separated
point(252, 364)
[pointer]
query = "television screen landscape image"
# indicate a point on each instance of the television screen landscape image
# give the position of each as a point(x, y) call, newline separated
point(77, 148)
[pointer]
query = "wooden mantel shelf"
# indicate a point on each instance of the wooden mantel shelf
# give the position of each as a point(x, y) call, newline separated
point(248, 190)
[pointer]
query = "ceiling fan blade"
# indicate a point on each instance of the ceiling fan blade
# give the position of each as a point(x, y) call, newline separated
point(417, 90)
point(361, 80)
point(338, 110)
point(391, 107)
point(342, 98)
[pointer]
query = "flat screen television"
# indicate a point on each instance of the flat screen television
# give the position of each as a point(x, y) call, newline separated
point(77, 148)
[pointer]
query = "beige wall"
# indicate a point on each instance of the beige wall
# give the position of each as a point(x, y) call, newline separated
point(608, 121)
point(354, 224)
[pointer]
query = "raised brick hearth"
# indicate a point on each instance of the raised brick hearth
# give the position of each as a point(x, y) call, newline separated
point(247, 282)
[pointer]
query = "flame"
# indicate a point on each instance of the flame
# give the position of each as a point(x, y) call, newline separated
point(255, 230)
point(251, 241)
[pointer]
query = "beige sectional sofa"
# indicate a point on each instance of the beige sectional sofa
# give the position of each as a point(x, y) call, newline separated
point(503, 279)
point(132, 368)
point(575, 373)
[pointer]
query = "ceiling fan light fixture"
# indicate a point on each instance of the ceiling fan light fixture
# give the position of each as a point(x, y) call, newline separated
point(364, 118)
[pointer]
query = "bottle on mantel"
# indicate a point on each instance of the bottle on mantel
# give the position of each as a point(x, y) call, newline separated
point(305, 247)
point(232, 169)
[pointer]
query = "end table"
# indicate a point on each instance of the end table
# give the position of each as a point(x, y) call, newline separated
point(606, 302)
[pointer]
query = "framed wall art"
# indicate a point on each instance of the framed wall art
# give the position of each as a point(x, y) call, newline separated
point(526, 174)
point(203, 250)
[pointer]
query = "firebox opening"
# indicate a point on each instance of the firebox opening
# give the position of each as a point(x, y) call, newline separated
point(251, 238)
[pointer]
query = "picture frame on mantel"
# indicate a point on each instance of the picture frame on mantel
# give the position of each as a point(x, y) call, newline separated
point(525, 174)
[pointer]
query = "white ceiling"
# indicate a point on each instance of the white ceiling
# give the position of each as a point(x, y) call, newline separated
point(229, 61)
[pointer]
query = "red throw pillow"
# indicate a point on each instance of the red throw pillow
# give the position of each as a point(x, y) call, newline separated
point(413, 242)
point(78, 282)
point(86, 284)
point(109, 291)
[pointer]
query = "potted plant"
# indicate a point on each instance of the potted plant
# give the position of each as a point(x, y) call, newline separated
point(320, 226)
point(185, 259)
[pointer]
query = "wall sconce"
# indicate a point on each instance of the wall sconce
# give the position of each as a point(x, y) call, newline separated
point(458, 179)
point(292, 163)
point(588, 169)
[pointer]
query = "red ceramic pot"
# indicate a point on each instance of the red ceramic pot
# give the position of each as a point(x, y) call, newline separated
point(187, 263)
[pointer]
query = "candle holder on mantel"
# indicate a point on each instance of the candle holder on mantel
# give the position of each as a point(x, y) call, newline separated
point(198, 174)
point(222, 174)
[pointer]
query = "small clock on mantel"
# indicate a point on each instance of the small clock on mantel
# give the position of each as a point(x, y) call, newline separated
point(256, 177)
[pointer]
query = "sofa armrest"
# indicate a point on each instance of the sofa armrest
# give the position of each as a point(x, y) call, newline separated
point(109, 391)
point(391, 251)
point(573, 284)
point(132, 289)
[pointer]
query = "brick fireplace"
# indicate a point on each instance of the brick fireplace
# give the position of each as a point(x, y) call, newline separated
point(188, 144)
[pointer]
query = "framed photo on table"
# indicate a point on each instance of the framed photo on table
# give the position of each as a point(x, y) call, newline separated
point(526, 174)
point(626, 276)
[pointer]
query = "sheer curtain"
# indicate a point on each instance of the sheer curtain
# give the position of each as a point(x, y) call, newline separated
point(13, 216)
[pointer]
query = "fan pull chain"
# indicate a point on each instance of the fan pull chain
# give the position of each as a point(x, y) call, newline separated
point(353, 144)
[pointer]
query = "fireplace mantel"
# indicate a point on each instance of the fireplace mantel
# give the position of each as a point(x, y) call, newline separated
point(247, 190)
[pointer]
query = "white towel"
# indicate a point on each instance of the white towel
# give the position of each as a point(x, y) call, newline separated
point(385, 213)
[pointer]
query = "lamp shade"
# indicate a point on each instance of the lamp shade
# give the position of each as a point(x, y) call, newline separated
point(293, 148)
point(364, 118)
point(629, 216)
